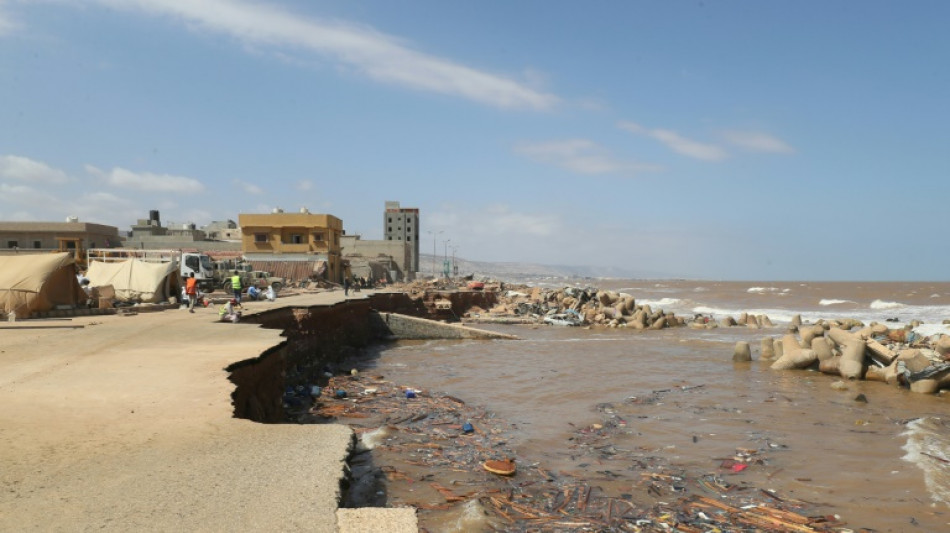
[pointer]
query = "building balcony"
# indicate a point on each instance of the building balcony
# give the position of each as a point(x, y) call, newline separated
point(289, 248)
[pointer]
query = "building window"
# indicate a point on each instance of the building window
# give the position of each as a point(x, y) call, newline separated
point(390, 220)
point(409, 229)
point(390, 229)
point(260, 237)
point(408, 238)
point(37, 244)
point(296, 238)
point(389, 238)
point(11, 244)
point(318, 236)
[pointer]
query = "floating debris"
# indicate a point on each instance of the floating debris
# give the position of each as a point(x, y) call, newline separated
point(425, 448)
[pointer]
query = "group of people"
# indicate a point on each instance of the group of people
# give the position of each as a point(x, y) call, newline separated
point(358, 283)
point(192, 294)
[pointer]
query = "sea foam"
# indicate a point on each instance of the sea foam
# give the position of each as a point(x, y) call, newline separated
point(928, 440)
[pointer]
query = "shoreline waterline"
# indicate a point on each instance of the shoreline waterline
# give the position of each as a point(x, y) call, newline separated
point(558, 375)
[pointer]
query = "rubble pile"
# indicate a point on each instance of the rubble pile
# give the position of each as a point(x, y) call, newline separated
point(431, 450)
point(873, 353)
point(573, 306)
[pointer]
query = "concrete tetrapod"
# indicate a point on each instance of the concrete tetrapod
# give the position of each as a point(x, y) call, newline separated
point(852, 346)
point(742, 352)
point(822, 348)
point(794, 356)
point(767, 349)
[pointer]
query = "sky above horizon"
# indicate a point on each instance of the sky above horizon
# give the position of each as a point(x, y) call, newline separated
point(736, 140)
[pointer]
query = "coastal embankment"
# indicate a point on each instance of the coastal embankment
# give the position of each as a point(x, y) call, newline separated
point(129, 422)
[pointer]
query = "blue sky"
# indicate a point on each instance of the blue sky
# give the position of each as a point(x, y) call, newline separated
point(719, 140)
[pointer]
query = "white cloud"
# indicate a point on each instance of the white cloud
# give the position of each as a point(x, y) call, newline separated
point(7, 24)
point(249, 188)
point(581, 156)
point(34, 203)
point(678, 143)
point(756, 141)
point(147, 181)
point(494, 220)
point(304, 185)
point(379, 56)
point(24, 169)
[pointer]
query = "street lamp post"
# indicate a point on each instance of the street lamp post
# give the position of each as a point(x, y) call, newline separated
point(445, 256)
point(455, 267)
point(434, 235)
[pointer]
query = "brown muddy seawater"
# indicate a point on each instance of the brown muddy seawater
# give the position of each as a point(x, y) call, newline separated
point(682, 399)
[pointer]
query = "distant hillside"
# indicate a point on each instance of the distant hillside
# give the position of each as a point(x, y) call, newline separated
point(517, 271)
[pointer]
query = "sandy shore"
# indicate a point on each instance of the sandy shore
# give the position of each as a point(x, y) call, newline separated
point(126, 424)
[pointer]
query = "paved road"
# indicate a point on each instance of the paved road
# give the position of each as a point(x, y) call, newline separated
point(125, 425)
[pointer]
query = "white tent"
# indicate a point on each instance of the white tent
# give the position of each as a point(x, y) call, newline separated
point(137, 281)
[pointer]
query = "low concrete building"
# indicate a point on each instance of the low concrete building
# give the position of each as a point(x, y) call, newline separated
point(150, 234)
point(223, 230)
point(47, 236)
point(395, 256)
point(302, 236)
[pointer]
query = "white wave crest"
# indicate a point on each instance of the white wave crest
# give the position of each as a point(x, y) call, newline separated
point(663, 302)
point(881, 304)
point(831, 301)
point(767, 290)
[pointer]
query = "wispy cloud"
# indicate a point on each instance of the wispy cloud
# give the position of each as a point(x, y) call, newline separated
point(7, 24)
point(20, 168)
point(304, 185)
point(249, 188)
point(756, 141)
point(581, 156)
point(678, 143)
point(35, 203)
point(496, 219)
point(381, 57)
point(147, 181)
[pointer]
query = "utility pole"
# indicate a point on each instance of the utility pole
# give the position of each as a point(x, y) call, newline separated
point(434, 235)
point(445, 257)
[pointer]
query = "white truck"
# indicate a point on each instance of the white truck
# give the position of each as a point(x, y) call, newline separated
point(188, 262)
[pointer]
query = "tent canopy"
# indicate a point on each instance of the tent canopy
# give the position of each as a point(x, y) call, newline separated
point(38, 282)
point(135, 280)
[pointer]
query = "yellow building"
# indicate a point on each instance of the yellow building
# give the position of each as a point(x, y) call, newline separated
point(300, 236)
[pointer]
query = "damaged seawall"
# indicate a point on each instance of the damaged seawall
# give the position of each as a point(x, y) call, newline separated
point(318, 336)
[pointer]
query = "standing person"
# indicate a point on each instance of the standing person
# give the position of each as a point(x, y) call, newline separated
point(236, 285)
point(346, 286)
point(191, 290)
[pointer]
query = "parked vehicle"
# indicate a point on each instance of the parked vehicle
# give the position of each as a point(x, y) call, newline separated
point(258, 278)
point(189, 262)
